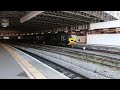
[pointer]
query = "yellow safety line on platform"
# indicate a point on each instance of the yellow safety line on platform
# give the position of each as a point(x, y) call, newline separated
point(32, 72)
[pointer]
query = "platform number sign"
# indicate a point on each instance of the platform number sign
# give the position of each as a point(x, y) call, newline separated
point(5, 22)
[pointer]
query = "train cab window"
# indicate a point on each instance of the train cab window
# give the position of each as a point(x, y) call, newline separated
point(69, 36)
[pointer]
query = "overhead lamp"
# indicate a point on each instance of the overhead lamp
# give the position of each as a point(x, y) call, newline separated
point(4, 26)
point(77, 30)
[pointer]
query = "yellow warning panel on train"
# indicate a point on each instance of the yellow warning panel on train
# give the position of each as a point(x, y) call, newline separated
point(71, 41)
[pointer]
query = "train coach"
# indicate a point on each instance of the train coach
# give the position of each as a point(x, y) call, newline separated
point(59, 39)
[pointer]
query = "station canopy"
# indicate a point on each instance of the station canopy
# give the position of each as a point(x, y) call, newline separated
point(33, 20)
point(116, 14)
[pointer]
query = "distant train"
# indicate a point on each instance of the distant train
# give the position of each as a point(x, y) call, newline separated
point(60, 39)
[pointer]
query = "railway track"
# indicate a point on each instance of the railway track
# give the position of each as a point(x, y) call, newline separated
point(97, 49)
point(61, 69)
point(76, 49)
point(69, 52)
point(93, 56)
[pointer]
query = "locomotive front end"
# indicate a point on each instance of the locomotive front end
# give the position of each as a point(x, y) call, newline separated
point(71, 41)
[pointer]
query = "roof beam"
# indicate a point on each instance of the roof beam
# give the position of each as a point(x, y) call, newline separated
point(30, 15)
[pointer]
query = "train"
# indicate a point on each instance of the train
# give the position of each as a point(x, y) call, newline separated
point(58, 39)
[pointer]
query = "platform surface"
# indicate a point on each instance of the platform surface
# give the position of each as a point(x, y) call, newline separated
point(98, 46)
point(9, 68)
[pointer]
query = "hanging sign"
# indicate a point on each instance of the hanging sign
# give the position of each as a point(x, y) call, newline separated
point(5, 22)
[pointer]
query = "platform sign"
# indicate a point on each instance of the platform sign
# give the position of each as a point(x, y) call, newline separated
point(5, 22)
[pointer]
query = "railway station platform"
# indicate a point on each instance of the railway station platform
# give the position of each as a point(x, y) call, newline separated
point(14, 66)
point(9, 68)
point(98, 47)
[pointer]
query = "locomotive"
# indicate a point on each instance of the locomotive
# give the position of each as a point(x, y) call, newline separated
point(60, 39)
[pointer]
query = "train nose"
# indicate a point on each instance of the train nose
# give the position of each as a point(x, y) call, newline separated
point(71, 41)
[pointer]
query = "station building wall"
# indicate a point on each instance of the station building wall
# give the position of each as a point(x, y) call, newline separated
point(79, 39)
point(104, 39)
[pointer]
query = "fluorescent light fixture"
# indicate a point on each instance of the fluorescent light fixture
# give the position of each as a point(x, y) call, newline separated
point(77, 30)
point(4, 26)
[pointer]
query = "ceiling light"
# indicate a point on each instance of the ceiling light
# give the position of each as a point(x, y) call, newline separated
point(77, 30)
point(4, 26)
point(28, 34)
